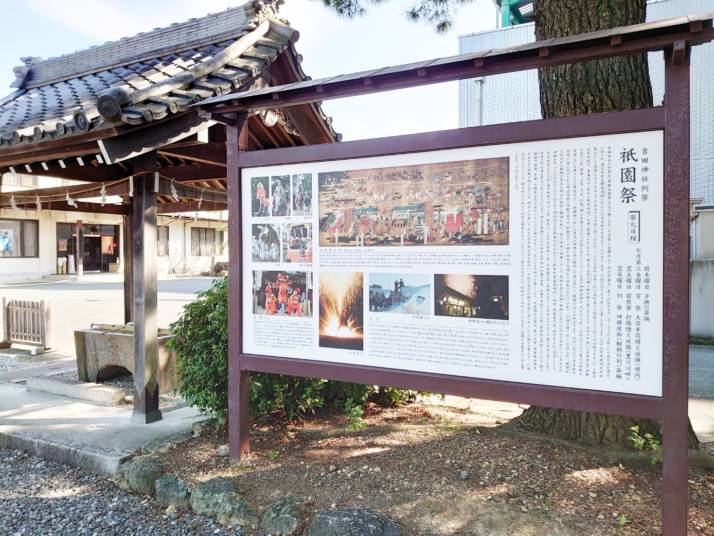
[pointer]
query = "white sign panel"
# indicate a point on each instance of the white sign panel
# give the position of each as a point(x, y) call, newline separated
point(535, 262)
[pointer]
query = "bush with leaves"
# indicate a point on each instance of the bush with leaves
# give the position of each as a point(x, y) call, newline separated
point(200, 343)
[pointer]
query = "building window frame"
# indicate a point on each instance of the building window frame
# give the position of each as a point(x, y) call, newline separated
point(21, 241)
point(201, 245)
point(162, 250)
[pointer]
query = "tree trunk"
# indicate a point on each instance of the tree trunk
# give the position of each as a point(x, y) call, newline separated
point(613, 84)
point(610, 85)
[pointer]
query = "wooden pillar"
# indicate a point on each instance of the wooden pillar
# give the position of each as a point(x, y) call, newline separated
point(79, 249)
point(675, 386)
point(127, 263)
point(146, 344)
point(238, 380)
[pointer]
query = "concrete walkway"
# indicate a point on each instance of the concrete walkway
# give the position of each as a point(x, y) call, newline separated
point(98, 438)
point(95, 438)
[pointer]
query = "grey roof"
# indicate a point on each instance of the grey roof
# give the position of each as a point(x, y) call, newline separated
point(143, 78)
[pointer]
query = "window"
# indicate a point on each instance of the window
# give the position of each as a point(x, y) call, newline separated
point(19, 238)
point(162, 244)
point(204, 242)
point(221, 242)
point(19, 179)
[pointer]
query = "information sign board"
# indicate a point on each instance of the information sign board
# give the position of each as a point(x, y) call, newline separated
point(538, 262)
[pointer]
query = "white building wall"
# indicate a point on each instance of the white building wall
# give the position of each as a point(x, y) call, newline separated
point(515, 96)
point(701, 275)
point(23, 269)
point(178, 262)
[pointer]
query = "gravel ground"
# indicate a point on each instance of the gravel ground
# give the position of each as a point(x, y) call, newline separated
point(15, 359)
point(444, 467)
point(45, 498)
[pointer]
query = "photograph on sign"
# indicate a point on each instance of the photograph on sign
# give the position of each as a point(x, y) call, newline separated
point(297, 242)
point(471, 296)
point(342, 310)
point(282, 293)
point(280, 195)
point(266, 243)
point(301, 194)
point(260, 199)
point(449, 203)
point(535, 262)
point(400, 293)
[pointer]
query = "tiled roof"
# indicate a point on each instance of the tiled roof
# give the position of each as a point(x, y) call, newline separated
point(143, 78)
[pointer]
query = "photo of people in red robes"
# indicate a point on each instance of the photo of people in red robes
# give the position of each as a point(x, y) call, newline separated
point(282, 293)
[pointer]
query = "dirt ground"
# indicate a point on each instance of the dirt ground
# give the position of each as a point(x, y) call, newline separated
point(444, 467)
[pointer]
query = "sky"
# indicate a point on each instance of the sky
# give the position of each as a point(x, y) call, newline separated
point(329, 45)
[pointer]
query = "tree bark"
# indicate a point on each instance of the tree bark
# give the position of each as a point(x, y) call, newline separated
point(609, 85)
point(613, 84)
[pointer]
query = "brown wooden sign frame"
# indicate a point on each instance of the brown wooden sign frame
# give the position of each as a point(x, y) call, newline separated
point(673, 119)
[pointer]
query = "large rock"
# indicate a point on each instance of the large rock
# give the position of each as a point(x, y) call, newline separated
point(284, 517)
point(139, 474)
point(352, 522)
point(217, 498)
point(171, 491)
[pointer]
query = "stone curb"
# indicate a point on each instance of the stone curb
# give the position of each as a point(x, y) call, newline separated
point(102, 395)
point(89, 460)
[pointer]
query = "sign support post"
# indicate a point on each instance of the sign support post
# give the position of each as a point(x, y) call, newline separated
point(675, 327)
point(238, 380)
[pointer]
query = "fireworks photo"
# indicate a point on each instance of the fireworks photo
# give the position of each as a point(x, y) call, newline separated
point(450, 203)
point(260, 196)
point(341, 310)
point(400, 293)
point(471, 296)
point(266, 243)
point(302, 194)
point(282, 293)
point(280, 195)
point(297, 242)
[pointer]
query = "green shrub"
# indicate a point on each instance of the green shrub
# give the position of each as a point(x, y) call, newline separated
point(354, 413)
point(646, 442)
point(201, 346)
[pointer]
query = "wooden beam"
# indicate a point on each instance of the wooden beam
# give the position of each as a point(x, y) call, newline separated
point(62, 206)
point(28, 196)
point(57, 149)
point(187, 192)
point(146, 343)
point(193, 172)
point(127, 262)
point(74, 171)
point(190, 206)
point(637, 38)
point(212, 153)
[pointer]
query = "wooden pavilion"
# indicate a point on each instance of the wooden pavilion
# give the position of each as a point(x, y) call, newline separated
point(120, 118)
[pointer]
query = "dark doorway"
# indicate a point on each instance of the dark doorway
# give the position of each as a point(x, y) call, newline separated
point(92, 253)
point(101, 247)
